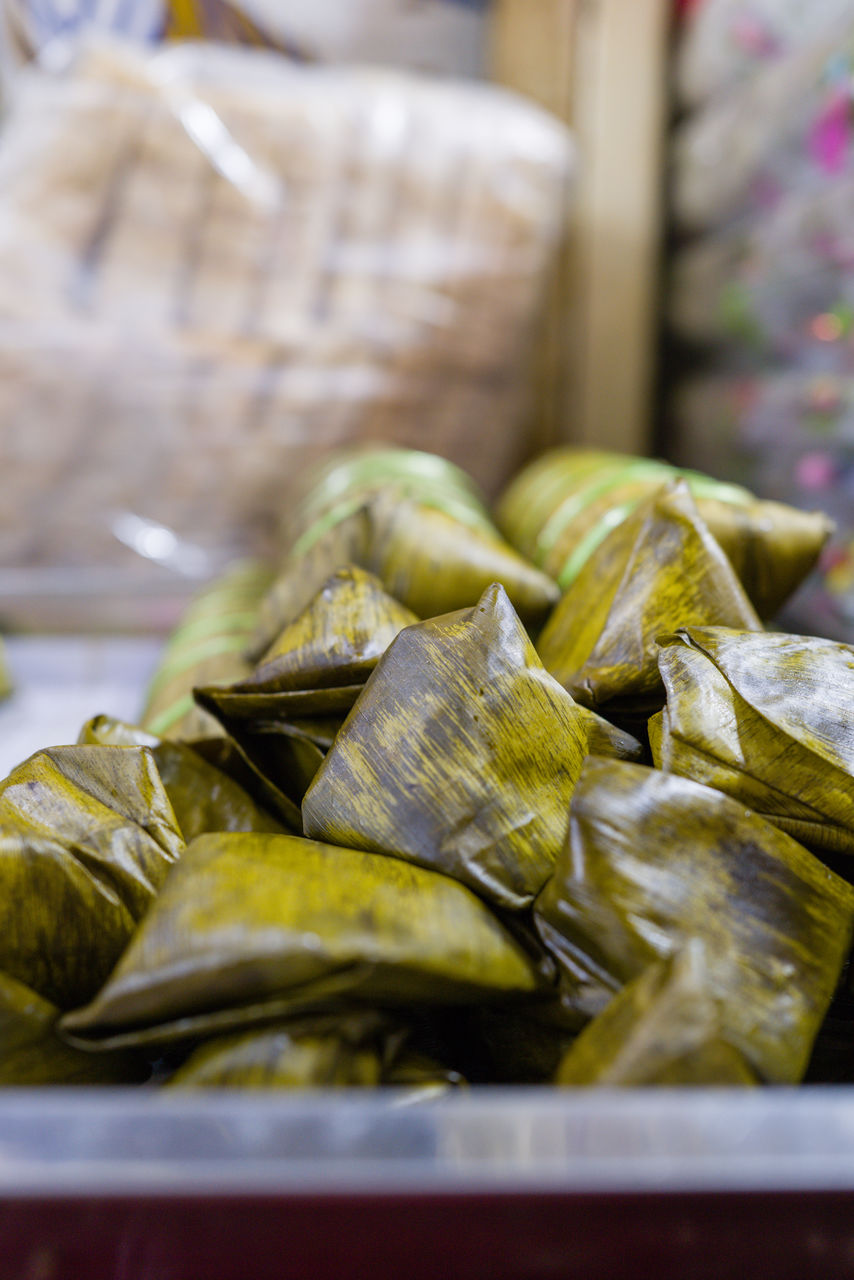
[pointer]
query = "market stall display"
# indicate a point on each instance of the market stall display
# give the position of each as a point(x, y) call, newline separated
point(409, 855)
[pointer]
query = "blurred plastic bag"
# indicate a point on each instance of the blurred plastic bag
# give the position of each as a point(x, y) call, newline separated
point(214, 265)
point(444, 36)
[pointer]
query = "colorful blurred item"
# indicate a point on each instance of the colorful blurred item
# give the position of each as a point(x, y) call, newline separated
point(217, 264)
point(790, 433)
point(726, 41)
point(762, 299)
point(787, 127)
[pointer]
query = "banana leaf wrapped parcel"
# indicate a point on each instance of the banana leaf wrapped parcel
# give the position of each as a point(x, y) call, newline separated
point(563, 505)
point(653, 860)
point(286, 712)
point(203, 797)
point(33, 1052)
point(659, 568)
point(206, 647)
point(415, 521)
point(355, 1049)
point(768, 719)
point(315, 1052)
point(251, 928)
point(460, 754)
point(664, 1027)
point(87, 837)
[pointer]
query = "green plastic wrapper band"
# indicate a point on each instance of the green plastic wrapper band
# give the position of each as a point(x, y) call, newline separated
point(413, 520)
point(561, 507)
point(658, 569)
point(207, 647)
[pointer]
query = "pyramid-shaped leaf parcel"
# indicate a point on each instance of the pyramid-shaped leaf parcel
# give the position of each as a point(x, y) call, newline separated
point(461, 754)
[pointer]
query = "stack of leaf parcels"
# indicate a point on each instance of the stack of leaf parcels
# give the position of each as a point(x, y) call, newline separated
point(415, 843)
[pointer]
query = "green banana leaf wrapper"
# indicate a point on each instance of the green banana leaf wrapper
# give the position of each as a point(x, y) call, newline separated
point(664, 1028)
point(660, 568)
point(769, 719)
point(203, 797)
point(34, 1054)
point(87, 837)
point(313, 673)
point(352, 1050)
point(460, 754)
point(413, 519)
point(207, 647)
point(322, 1052)
point(562, 506)
point(303, 572)
point(254, 928)
point(654, 860)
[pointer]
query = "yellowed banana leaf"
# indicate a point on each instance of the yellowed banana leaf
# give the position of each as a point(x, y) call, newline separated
point(653, 860)
point(251, 928)
point(769, 719)
point(207, 647)
point(226, 754)
point(411, 518)
point(435, 563)
point(203, 797)
point(314, 671)
point(87, 836)
point(304, 570)
point(665, 1028)
point(337, 640)
point(658, 569)
point(562, 506)
point(461, 754)
point(34, 1054)
point(345, 1050)
point(420, 1074)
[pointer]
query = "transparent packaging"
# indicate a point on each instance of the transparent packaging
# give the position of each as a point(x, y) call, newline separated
point(217, 264)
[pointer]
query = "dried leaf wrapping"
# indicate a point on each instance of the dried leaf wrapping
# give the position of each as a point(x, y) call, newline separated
point(34, 1054)
point(769, 720)
point(665, 1027)
point(653, 860)
point(659, 569)
point(303, 573)
point(460, 754)
point(202, 796)
point(565, 503)
point(255, 927)
point(411, 518)
point(321, 1052)
point(87, 836)
point(207, 647)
